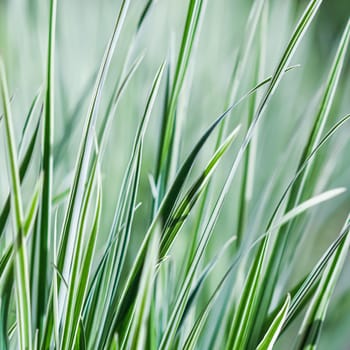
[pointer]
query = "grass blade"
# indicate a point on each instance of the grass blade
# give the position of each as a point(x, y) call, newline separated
point(191, 29)
point(272, 334)
point(21, 262)
point(46, 200)
point(315, 316)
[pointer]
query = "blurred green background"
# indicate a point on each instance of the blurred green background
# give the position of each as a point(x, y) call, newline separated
point(83, 28)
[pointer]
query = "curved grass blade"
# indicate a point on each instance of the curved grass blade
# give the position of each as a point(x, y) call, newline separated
point(172, 194)
point(21, 262)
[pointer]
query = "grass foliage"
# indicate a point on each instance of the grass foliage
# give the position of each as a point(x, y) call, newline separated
point(199, 238)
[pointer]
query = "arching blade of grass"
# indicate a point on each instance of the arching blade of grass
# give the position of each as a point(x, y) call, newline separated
point(194, 12)
point(112, 106)
point(21, 261)
point(306, 292)
point(303, 207)
point(316, 313)
point(95, 290)
point(163, 215)
point(183, 208)
point(272, 334)
point(297, 192)
point(172, 194)
point(85, 148)
point(44, 232)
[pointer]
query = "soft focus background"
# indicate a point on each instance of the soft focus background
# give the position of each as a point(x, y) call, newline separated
point(83, 29)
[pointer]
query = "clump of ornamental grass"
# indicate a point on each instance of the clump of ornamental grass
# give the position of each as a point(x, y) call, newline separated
point(169, 277)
